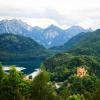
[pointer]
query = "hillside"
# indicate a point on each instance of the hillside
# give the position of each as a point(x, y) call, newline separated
point(88, 44)
point(15, 46)
point(83, 43)
point(63, 65)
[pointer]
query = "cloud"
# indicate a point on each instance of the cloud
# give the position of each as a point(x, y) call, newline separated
point(36, 14)
point(85, 13)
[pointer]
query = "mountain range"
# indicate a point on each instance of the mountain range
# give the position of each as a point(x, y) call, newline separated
point(18, 46)
point(48, 37)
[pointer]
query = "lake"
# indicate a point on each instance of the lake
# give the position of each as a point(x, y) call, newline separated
point(29, 64)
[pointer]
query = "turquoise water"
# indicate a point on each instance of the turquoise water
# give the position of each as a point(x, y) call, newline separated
point(29, 64)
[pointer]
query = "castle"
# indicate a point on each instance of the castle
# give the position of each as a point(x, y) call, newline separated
point(81, 71)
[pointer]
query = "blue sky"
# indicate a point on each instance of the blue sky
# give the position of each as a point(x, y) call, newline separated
point(63, 13)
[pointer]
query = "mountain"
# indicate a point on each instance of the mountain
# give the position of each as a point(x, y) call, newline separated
point(54, 36)
point(37, 35)
point(14, 26)
point(16, 46)
point(74, 30)
point(83, 43)
point(88, 44)
point(48, 37)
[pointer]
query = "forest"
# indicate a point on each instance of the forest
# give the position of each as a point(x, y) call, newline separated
point(14, 86)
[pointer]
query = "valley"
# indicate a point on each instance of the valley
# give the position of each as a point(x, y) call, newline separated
point(54, 64)
point(49, 49)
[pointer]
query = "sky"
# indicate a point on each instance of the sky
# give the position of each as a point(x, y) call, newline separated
point(63, 13)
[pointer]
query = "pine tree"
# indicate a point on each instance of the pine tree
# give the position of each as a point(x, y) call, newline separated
point(1, 73)
point(41, 88)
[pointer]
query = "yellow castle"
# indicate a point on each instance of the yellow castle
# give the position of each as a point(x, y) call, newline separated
point(81, 71)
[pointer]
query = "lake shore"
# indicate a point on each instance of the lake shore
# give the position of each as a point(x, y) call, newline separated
point(33, 74)
point(7, 68)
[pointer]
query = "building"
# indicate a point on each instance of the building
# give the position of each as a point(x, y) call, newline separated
point(81, 71)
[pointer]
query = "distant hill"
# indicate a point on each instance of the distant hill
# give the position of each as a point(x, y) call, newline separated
point(16, 46)
point(74, 30)
point(83, 43)
point(48, 37)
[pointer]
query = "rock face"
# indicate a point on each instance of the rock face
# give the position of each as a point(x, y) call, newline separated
point(81, 71)
point(14, 26)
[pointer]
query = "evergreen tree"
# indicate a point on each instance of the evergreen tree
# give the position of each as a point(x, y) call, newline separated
point(41, 88)
point(76, 97)
point(11, 85)
point(1, 73)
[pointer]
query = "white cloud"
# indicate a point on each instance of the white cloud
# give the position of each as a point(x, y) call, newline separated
point(64, 13)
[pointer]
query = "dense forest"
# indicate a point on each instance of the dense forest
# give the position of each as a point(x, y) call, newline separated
point(17, 47)
point(14, 86)
point(63, 65)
